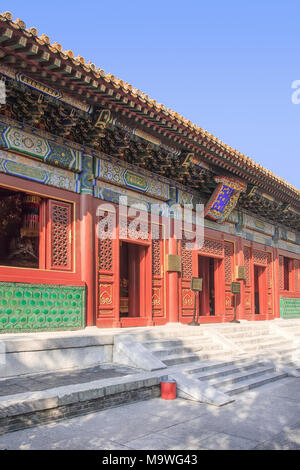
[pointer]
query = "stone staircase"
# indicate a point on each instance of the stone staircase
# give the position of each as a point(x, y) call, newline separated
point(292, 327)
point(254, 338)
point(233, 377)
point(184, 349)
point(259, 355)
point(211, 364)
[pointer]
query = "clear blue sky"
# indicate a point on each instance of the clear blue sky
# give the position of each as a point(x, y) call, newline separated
point(227, 65)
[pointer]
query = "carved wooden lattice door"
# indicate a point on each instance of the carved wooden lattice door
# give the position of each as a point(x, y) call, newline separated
point(187, 295)
point(281, 273)
point(228, 267)
point(158, 294)
point(248, 300)
point(107, 279)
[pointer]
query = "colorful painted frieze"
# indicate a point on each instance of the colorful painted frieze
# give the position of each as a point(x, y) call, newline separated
point(258, 225)
point(16, 138)
point(114, 172)
point(111, 193)
point(23, 167)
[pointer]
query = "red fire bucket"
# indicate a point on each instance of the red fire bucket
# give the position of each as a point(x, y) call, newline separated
point(168, 389)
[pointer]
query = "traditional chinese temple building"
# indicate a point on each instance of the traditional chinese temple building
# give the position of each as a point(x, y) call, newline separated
point(72, 140)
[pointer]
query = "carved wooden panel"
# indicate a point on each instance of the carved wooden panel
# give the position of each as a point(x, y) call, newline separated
point(212, 247)
point(269, 305)
point(158, 280)
point(60, 235)
point(260, 258)
point(106, 276)
point(248, 294)
point(247, 255)
point(281, 273)
point(228, 268)
point(129, 228)
point(186, 259)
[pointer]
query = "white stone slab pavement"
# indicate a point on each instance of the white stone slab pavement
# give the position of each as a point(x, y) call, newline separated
point(265, 418)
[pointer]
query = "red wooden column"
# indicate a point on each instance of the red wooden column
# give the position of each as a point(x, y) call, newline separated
point(87, 251)
point(133, 281)
point(172, 278)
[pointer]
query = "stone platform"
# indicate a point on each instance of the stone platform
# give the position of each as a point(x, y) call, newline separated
point(46, 376)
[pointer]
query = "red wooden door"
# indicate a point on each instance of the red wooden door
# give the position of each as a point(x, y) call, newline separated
point(263, 260)
point(107, 288)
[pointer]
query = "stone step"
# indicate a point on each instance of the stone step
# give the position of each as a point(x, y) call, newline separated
point(206, 366)
point(42, 352)
point(291, 331)
point(248, 384)
point(166, 343)
point(180, 359)
point(168, 333)
point(282, 354)
point(235, 377)
point(292, 364)
point(260, 339)
point(162, 353)
point(244, 334)
point(229, 368)
point(266, 345)
point(288, 350)
point(288, 323)
point(228, 329)
point(29, 409)
point(285, 357)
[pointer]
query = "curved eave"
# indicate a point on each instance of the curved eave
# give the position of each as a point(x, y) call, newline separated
point(48, 63)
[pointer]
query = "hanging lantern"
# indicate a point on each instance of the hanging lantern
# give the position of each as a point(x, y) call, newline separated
point(30, 224)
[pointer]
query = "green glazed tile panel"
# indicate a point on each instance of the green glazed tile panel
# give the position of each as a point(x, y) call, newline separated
point(40, 307)
point(289, 307)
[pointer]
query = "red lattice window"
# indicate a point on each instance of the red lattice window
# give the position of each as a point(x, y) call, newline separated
point(212, 247)
point(247, 254)
point(105, 255)
point(228, 251)
point(281, 273)
point(269, 274)
point(134, 228)
point(156, 257)
point(260, 258)
point(187, 263)
point(60, 235)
